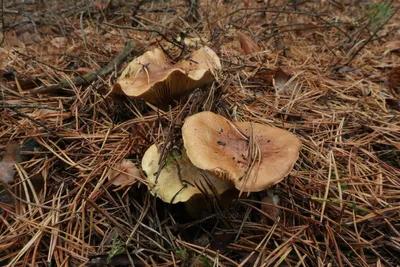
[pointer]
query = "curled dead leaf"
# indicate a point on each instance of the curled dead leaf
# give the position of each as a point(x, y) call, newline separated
point(101, 5)
point(282, 82)
point(248, 45)
point(125, 173)
point(59, 42)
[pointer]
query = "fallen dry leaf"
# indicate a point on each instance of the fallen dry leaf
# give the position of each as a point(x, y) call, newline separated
point(84, 70)
point(281, 81)
point(59, 42)
point(248, 45)
point(11, 157)
point(124, 174)
point(101, 5)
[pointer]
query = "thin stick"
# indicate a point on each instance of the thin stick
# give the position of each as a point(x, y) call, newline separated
point(36, 122)
point(87, 78)
point(5, 105)
point(371, 37)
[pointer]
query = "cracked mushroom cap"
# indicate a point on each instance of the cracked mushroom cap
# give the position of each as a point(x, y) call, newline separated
point(152, 78)
point(220, 147)
point(169, 187)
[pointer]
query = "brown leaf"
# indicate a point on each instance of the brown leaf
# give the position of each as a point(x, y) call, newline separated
point(280, 81)
point(124, 174)
point(101, 5)
point(84, 70)
point(248, 45)
point(394, 80)
point(59, 42)
point(11, 157)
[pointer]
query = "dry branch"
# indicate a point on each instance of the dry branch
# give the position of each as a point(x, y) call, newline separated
point(87, 78)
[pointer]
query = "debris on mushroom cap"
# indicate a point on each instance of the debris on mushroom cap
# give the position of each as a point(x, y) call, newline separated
point(124, 173)
point(169, 186)
point(221, 147)
point(152, 78)
point(193, 41)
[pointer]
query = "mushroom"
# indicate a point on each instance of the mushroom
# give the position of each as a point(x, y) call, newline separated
point(152, 78)
point(178, 178)
point(252, 155)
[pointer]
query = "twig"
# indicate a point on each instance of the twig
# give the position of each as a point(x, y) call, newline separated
point(135, 10)
point(371, 37)
point(108, 217)
point(40, 62)
point(87, 78)
point(144, 30)
point(4, 105)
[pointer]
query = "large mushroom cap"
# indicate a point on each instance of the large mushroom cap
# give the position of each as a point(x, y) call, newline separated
point(169, 187)
point(152, 78)
point(215, 144)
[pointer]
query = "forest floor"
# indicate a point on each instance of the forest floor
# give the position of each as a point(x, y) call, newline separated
point(327, 71)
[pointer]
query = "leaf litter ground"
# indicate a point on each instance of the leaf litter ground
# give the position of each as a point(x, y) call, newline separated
point(327, 72)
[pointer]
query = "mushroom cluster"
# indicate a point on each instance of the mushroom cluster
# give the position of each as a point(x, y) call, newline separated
point(249, 156)
point(179, 179)
point(152, 78)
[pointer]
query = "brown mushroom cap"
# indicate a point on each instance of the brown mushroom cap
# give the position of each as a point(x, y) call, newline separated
point(213, 144)
point(169, 187)
point(152, 78)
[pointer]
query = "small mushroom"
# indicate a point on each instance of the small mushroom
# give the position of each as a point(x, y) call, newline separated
point(252, 155)
point(152, 78)
point(178, 178)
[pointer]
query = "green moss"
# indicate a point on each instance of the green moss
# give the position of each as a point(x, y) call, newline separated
point(172, 158)
point(117, 248)
point(379, 11)
point(206, 261)
point(181, 254)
